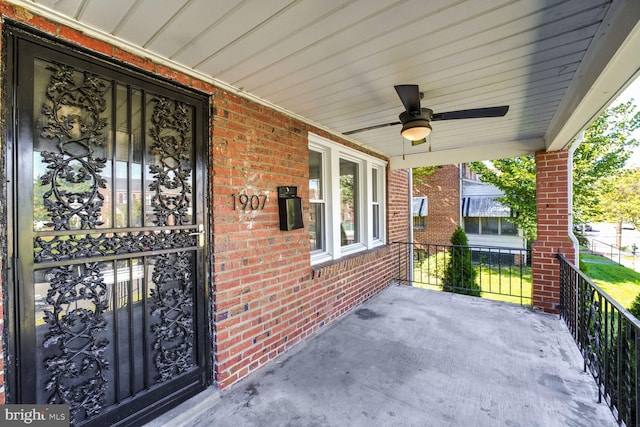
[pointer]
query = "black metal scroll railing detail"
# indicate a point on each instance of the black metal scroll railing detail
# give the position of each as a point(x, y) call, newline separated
point(72, 200)
point(172, 274)
point(78, 298)
point(73, 180)
point(171, 143)
point(173, 305)
point(593, 345)
point(608, 337)
point(58, 248)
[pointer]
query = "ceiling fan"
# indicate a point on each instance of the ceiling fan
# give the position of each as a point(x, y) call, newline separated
point(416, 121)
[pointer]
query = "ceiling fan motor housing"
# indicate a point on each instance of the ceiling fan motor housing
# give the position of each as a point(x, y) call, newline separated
point(414, 119)
point(413, 116)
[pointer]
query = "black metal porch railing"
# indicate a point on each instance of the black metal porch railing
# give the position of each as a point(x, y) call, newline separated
point(500, 273)
point(607, 336)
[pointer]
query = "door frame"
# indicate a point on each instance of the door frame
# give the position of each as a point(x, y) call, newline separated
point(11, 33)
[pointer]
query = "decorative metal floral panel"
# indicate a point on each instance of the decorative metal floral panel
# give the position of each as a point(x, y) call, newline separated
point(173, 300)
point(111, 241)
point(77, 298)
point(59, 248)
point(171, 133)
point(173, 305)
point(72, 111)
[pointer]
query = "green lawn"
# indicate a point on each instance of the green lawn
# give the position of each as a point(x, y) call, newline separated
point(510, 284)
point(504, 284)
point(620, 282)
point(507, 283)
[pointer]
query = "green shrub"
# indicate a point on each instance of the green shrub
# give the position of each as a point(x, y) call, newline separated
point(583, 242)
point(459, 273)
point(635, 307)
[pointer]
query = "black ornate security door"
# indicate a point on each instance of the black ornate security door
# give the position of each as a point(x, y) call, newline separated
point(108, 208)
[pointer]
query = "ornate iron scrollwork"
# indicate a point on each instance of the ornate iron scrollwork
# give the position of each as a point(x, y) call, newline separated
point(77, 350)
point(173, 304)
point(593, 346)
point(72, 111)
point(173, 300)
point(171, 133)
point(77, 294)
point(78, 298)
point(59, 248)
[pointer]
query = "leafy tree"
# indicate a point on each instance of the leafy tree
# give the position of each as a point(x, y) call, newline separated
point(620, 198)
point(607, 145)
point(420, 175)
point(347, 199)
point(516, 177)
point(459, 274)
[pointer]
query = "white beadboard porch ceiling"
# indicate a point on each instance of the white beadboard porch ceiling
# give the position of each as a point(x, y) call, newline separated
point(556, 63)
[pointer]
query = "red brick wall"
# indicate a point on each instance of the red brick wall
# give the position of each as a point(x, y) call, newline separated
point(552, 183)
point(267, 296)
point(443, 191)
point(399, 213)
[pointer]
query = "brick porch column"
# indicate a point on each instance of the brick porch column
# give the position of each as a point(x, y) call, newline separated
point(553, 205)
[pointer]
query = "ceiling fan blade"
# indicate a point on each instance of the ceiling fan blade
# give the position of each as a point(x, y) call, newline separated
point(474, 113)
point(371, 128)
point(410, 97)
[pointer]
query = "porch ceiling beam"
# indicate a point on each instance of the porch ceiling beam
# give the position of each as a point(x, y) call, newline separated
point(612, 58)
point(498, 150)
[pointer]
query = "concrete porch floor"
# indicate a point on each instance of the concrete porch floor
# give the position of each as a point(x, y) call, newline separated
point(414, 357)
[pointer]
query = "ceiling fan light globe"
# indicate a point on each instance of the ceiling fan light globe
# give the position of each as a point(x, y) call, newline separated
point(416, 130)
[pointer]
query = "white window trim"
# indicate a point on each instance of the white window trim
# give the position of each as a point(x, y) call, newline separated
point(326, 195)
point(382, 232)
point(332, 153)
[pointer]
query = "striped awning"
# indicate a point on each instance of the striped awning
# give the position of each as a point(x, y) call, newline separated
point(484, 206)
point(420, 206)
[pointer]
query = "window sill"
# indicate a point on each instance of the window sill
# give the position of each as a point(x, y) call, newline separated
point(318, 268)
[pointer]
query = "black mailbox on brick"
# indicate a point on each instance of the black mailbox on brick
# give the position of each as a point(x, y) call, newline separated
point(290, 206)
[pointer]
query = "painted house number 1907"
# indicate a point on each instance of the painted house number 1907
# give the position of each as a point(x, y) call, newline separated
point(244, 202)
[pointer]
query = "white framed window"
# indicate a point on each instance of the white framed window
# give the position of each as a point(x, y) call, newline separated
point(350, 202)
point(377, 196)
point(317, 201)
point(496, 226)
point(347, 200)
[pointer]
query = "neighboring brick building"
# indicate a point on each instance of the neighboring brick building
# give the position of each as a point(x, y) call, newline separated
point(454, 195)
point(442, 192)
